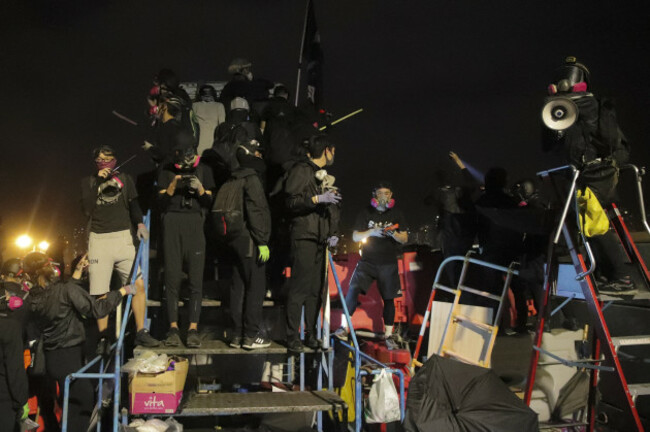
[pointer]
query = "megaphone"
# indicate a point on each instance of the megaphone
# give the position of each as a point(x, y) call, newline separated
point(559, 113)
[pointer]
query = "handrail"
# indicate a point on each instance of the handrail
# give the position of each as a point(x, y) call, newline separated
point(141, 262)
point(358, 355)
point(638, 176)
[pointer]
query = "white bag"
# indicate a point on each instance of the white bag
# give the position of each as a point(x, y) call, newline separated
point(382, 405)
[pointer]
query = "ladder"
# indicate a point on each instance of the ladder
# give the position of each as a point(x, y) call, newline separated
point(605, 356)
point(458, 322)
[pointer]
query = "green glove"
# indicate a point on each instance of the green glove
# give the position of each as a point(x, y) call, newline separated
point(264, 253)
point(25, 412)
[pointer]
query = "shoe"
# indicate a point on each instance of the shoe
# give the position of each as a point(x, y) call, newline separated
point(255, 343)
point(103, 347)
point(235, 342)
point(312, 343)
point(342, 333)
point(509, 331)
point(295, 346)
point(193, 339)
point(144, 339)
point(392, 342)
point(623, 286)
point(173, 338)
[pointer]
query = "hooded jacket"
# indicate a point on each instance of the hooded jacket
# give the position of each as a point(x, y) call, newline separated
point(59, 308)
point(309, 221)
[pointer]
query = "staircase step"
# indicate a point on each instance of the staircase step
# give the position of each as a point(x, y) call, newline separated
point(217, 347)
point(620, 341)
point(639, 389)
point(258, 403)
point(205, 303)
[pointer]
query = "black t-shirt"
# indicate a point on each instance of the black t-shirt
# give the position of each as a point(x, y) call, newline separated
point(111, 199)
point(184, 199)
point(380, 250)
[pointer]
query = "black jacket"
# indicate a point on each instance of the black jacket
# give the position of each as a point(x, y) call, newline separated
point(309, 221)
point(59, 308)
point(256, 209)
point(13, 378)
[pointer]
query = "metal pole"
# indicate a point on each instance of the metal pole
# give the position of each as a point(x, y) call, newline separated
point(302, 47)
point(66, 404)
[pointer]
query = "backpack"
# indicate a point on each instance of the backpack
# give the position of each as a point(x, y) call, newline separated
point(228, 209)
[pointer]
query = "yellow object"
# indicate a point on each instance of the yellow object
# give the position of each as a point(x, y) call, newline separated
point(593, 218)
point(347, 391)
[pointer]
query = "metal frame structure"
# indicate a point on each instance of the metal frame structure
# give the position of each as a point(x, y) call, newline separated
point(452, 318)
point(140, 266)
point(358, 357)
point(603, 343)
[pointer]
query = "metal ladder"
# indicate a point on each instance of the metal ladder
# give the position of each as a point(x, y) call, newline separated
point(456, 320)
point(603, 344)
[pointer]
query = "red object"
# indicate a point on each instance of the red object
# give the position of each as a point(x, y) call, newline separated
point(580, 87)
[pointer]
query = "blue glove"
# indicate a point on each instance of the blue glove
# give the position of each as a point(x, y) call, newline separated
point(328, 197)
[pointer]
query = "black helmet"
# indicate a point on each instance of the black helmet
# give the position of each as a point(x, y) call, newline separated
point(11, 267)
point(37, 264)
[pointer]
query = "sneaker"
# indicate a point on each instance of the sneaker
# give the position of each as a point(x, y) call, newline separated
point(235, 342)
point(509, 331)
point(144, 339)
point(342, 333)
point(193, 339)
point(392, 342)
point(618, 287)
point(295, 346)
point(173, 338)
point(255, 343)
point(312, 342)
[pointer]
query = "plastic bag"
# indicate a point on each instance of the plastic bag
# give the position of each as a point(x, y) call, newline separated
point(382, 405)
point(147, 362)
point(592, 216)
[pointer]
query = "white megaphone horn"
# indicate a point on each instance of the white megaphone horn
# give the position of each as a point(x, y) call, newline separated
point(559, 113)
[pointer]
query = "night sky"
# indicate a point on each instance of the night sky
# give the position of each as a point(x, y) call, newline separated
point(432, 76)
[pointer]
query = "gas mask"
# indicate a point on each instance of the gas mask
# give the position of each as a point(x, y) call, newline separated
point(186, 159)
point(109, 191)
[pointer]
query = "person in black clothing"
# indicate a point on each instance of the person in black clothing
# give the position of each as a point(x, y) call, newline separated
point(185, 193)
point(595, 145)
point(248, 251)
point(243, 85)
point(381, 229)
point(457, 216)
point(109, 201)
point(169, 133)
point(13, 378)
point(57, 309)
point(312, 205)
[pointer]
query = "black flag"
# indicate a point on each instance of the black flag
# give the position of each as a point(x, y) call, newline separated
point(313, 53)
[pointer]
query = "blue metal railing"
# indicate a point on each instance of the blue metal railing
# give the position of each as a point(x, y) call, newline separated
point(141, 262)
point(358, 356)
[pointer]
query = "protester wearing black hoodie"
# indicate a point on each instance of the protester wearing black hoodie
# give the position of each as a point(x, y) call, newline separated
point(57, 309)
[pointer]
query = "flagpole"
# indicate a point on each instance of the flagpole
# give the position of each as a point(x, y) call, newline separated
point(302, 47)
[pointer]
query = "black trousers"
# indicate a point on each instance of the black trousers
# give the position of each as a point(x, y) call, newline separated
point(248, 287)
point(305, 286)
point(60, 363)
point(184, 243)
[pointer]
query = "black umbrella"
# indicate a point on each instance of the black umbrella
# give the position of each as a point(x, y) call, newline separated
point(446, 395)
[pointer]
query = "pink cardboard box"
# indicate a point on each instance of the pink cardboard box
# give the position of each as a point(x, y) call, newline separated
point(158, 393)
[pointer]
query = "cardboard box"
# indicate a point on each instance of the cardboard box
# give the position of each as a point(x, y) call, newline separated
point(158, 393)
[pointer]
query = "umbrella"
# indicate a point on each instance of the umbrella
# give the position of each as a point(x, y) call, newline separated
point(446, 395)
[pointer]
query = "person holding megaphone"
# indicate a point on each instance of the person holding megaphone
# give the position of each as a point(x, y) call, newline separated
point(585, 130)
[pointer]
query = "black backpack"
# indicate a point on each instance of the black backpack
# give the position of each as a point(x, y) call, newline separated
point(228, 209)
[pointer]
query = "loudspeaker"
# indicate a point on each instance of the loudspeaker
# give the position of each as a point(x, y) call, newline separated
point(559, 113)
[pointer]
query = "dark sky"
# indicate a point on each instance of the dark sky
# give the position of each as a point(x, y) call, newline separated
point(432, 76)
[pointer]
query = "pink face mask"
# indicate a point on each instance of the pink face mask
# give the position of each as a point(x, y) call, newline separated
point(106, 164)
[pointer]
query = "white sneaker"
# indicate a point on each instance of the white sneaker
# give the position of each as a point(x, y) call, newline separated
point(255, 343)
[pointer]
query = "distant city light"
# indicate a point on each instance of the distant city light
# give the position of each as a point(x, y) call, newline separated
point(24, 241)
